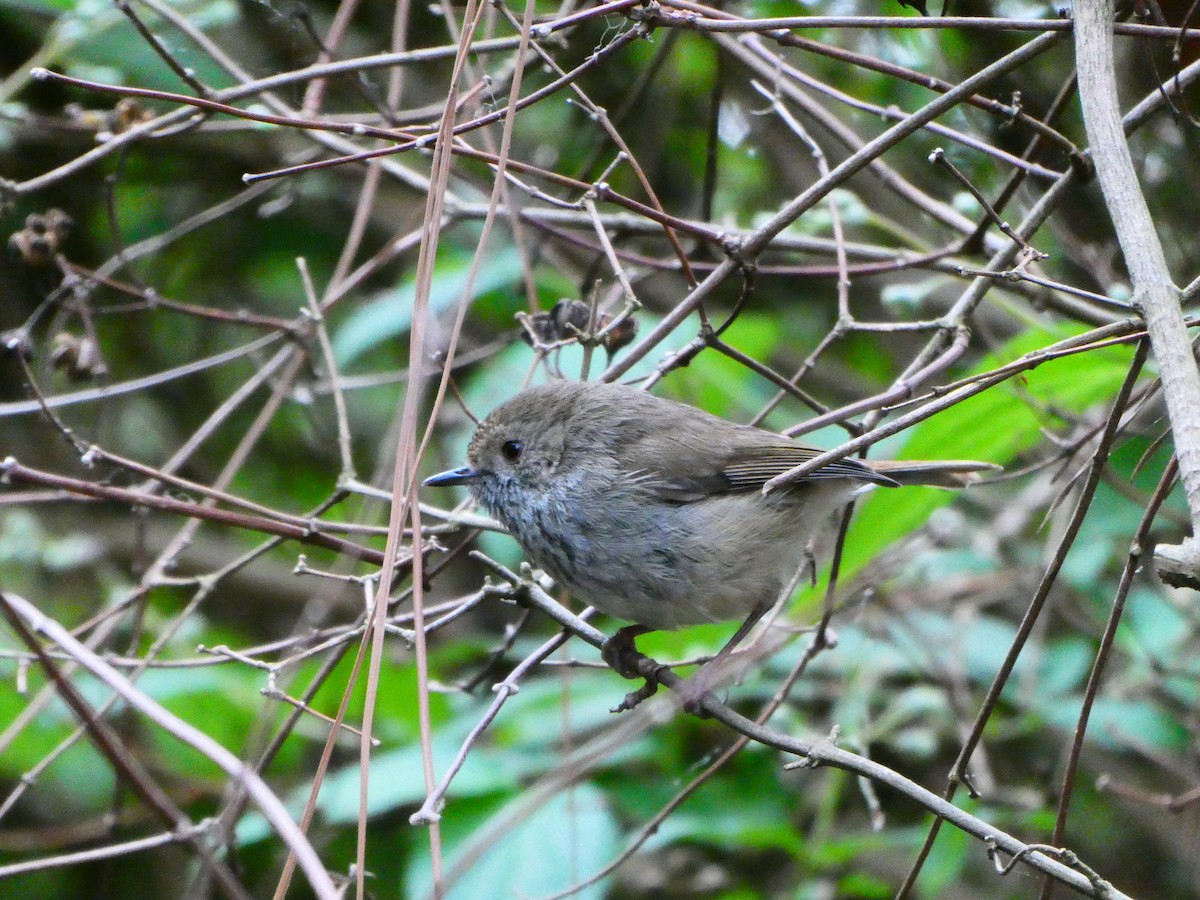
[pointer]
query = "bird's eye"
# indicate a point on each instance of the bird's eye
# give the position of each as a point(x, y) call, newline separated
point(511, 450)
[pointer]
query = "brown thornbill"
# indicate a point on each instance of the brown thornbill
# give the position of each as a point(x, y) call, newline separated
point(653, 511)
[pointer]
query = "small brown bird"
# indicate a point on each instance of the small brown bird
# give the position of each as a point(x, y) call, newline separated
point(653, 511)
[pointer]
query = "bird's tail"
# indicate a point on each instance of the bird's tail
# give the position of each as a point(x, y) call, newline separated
point(947, 473)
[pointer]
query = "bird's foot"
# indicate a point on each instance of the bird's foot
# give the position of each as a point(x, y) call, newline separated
point(633, 698)
point(621, 653)
point(623, 657)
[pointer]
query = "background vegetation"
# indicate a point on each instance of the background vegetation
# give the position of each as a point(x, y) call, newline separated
point(209, 383)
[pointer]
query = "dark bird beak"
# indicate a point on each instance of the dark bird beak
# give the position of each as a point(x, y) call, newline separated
point(461, 475)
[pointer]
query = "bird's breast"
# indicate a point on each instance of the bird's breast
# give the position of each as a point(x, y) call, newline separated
point(662, 564)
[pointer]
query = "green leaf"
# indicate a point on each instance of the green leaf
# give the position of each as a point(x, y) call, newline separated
point(947, 860)
point(908, 298)
point(1120, 723)
point(389, 314)
point(1064, 665)
point(993, 426)
point(397, 777)
point(564, 840)
point(744, 808)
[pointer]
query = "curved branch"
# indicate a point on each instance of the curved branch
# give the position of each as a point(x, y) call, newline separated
point(825, 753)
point(270, 805)
point(1153, 289)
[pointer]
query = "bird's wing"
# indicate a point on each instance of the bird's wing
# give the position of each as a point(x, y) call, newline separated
point(746, 468)
point(751, 469)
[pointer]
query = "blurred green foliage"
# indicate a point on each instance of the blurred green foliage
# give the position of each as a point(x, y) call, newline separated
point(932, 584)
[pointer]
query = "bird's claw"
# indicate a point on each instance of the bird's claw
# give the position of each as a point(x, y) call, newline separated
point(624, 658)
point(621, 654)
point(633, 698)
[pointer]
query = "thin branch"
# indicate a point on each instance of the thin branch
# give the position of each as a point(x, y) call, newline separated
point(270, 804)
point(1153, 287)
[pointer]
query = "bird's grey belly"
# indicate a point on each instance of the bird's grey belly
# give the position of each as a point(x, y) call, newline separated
point(666, 565)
